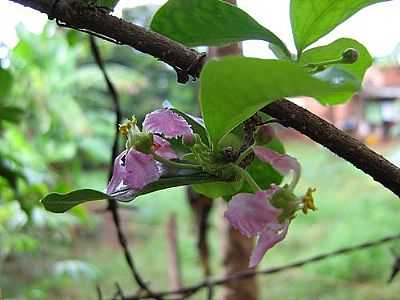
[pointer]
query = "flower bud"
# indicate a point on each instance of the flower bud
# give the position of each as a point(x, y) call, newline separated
point(264, 134)
point(349, 56)
point(142, 142)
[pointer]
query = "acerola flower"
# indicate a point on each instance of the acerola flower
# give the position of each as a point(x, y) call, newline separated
point(136, 167)
point(267, 214)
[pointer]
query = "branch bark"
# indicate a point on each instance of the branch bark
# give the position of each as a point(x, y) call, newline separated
point(184, 59)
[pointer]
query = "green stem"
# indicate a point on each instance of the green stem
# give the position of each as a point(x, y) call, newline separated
point(244, 154)
point(176, 165)
point(325, 63)
point(246, 176)
point(295, 180)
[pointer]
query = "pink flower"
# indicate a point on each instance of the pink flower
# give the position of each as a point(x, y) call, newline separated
point(280, 162)
point(253, 215)
point(166, 122)
point(136, 169)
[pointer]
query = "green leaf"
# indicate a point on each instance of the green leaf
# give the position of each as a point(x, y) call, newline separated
point(312, 19)
point(6, 80)
point(334, 50)
point(218, 189)
point(59, 203)
point(209, 23)
point(234, 88)
point(10, 113)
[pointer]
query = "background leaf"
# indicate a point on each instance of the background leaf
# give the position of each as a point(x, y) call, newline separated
point(228, 96)
point(6, 80)
point(334, 50)
point(312, 19)
point(209, 22)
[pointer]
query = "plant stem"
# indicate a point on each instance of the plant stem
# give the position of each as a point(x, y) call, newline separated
point(246, 176)
point(176, 165)
point(244, 154)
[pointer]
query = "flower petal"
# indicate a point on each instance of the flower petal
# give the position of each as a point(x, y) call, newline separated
point(166, 122)
point(250, 213)
point(141, 169)
point(280, 162)
point(273, 234)
point(118, 174)
point(163, 148)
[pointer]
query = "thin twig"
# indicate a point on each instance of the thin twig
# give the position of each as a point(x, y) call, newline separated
point(99, 293)
point(190, 290)
point(112, 204)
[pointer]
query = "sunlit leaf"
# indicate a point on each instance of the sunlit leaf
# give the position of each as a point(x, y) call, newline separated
point(312, 19)
point(334, 50)
point(209, 22)
point(234, 88)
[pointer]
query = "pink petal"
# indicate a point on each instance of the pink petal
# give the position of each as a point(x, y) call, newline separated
point(250, 213)
point(273, 234)
point(118, 174)
point(280, 162)
point(265, 134)
point(163, 148)
point(141, 169)
point(167, 122)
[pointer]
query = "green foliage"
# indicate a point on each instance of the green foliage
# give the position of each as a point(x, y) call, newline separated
point(312, 19)
point(6, 81)
point(228, 97)
point(210, 23)
point(335, 50)
point(59, 203)
point(218, 189)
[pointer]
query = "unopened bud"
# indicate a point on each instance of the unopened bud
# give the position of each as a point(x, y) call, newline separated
point(349, 56)
point(143, 142)
point(264, 134)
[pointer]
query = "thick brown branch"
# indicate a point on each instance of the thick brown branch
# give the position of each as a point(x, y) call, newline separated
point(74, 14)
point(183, 58)
point(339, 142)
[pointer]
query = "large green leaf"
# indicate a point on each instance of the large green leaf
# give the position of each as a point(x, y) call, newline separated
point(6, 80)
point(58, 203)
point(234, 88)
point(335, 50)
point(312, 19)
point(210, 23)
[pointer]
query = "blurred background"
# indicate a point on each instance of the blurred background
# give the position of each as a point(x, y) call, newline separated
point(56, 131)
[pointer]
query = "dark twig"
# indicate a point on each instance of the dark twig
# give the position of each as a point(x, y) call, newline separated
point(395, 266)
point(99, 293)
point(112, 204)
point(190, 290)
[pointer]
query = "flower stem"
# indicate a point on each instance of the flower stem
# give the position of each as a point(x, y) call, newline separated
point(176, 165)
point(246, 176)
point(244, 154)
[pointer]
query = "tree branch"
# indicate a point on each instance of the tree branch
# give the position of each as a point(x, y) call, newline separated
point(190, 290)
point(187, 60)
